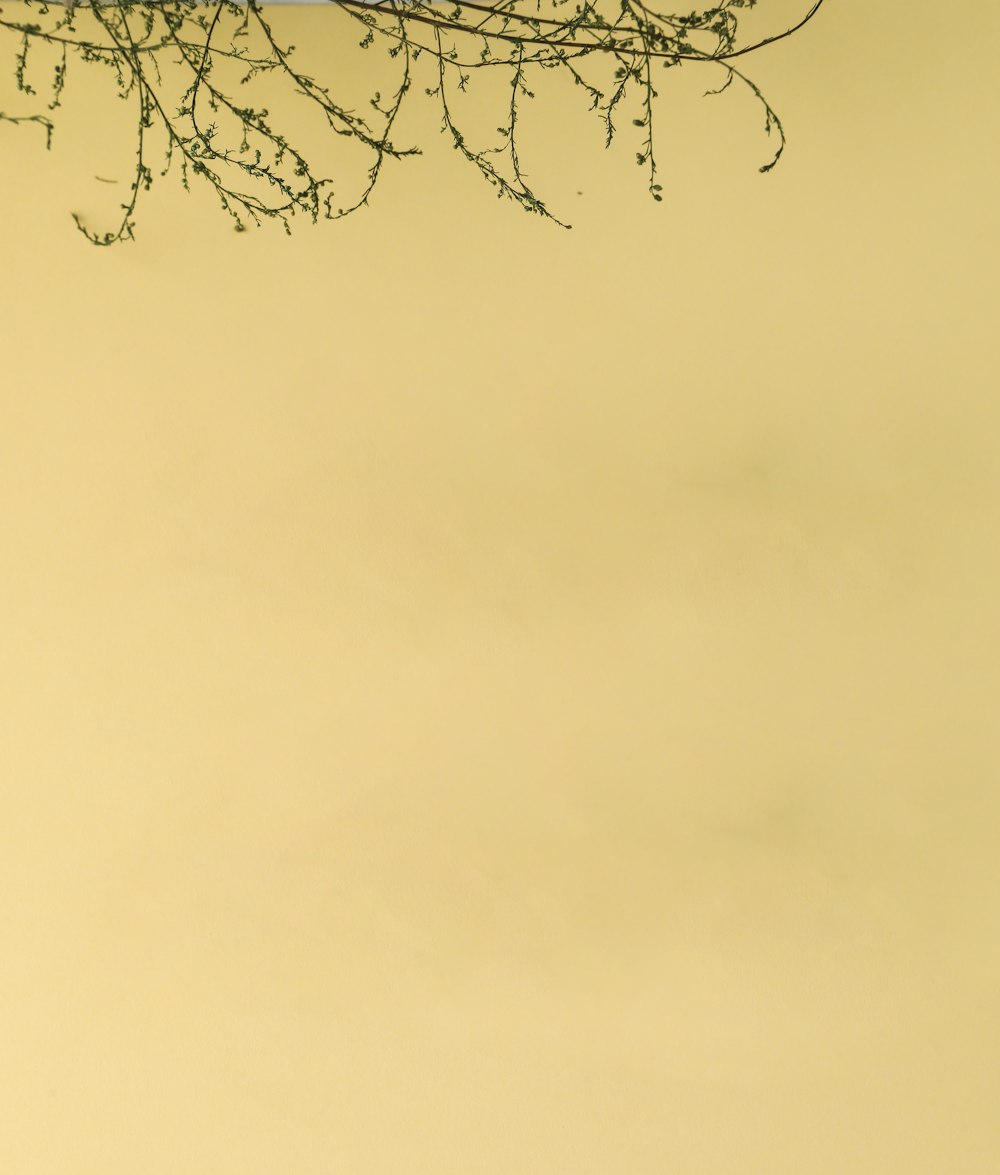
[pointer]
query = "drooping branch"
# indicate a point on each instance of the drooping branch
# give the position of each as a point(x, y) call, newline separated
point(255, 169)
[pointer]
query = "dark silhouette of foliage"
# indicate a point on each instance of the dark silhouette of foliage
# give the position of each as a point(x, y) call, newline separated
point(209, 129)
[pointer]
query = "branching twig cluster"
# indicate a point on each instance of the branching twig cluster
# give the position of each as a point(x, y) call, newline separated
point(206, 128)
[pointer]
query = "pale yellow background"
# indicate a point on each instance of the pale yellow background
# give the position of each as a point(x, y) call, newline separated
point(479, 698)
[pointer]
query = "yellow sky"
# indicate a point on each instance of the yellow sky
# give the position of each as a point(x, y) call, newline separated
point(477, 697)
